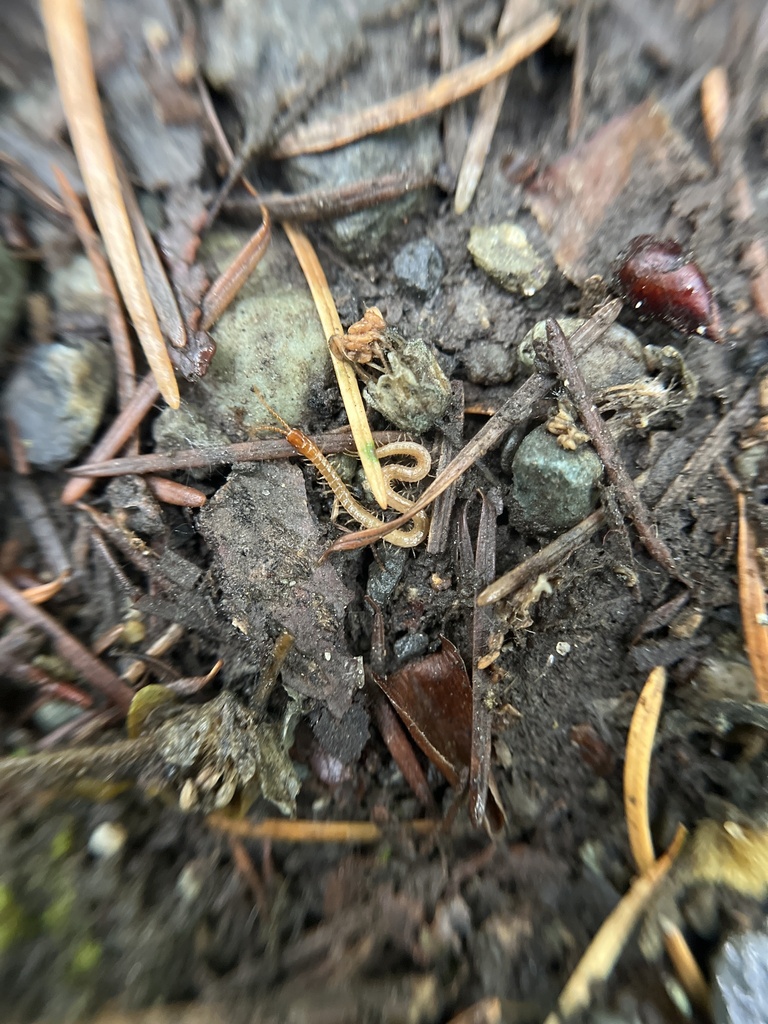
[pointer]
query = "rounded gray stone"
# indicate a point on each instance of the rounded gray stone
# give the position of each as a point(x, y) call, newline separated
point(56, 399)
point(614, 359)
point(419, 268)
point(488, 362)
point(554, 488)
point(740, 982)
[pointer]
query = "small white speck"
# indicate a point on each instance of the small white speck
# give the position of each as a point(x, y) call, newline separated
point(107, 839)
point(563, 648)
point(327, 655)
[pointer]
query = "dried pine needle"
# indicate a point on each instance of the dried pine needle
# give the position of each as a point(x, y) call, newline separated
point(754, 617)
point(310, 831)
point(40, 594)
point(606, 947)
point(67, 36)
point(637, 766)
point(446, 89)
point(345, 374)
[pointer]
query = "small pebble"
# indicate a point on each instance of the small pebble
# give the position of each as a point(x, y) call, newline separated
point(410, 646)
point(55, 713)
point(505, 254)
point(488, 362)
point(56, 399)
point(107, 839)
point(419, 268)
point(75, 289)
point(740, 983)
point(554, 488)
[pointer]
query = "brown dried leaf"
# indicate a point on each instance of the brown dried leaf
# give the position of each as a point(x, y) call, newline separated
point(433, 697)
point(572, 198)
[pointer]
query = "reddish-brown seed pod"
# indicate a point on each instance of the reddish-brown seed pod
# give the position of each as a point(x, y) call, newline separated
point(663, 284)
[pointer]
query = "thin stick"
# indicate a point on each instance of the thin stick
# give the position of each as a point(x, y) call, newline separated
point(446, 89)
point(326, 203)
point(118, 329)
point(121, 429)
point(345, 374)
point(514, 409)
point(542, 561)
point(484, 622)
point(97, 673)
point(62, 767)
point(226, 455)
point(561, 356)
point(70, 52)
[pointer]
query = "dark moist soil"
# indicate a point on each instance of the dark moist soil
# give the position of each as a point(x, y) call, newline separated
point(417, 928)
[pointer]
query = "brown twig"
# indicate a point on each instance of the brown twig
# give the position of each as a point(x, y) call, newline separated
point(448, 88)
point(560, 355)
point(482, 627)
point(327, 203)
point(63, 767)
point(441, 513)
point(118, 329)
point(226, 455)
point(553, 554)
point(514, 409)
point(121, 429)
point(70, 52)
point(97, 674)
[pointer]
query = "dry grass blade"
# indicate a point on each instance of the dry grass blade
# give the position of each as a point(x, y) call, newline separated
point(754, 617)
point(70, 52)
point(606, 947)
point(311, 831)
point(345, 374)
point(446, 89)
point(489, 106)
point(686, 966)
point(637, 767)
